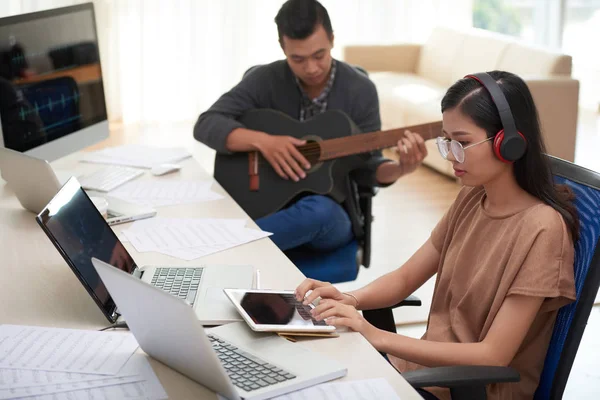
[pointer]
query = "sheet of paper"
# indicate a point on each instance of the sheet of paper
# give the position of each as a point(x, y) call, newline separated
point(66, 350)
point(135, 155)
point(149, 388)
point(157, 193)
point(157, 235)
point(66, 387)
point(348, 390)
point(21, 378)
point(195, 252)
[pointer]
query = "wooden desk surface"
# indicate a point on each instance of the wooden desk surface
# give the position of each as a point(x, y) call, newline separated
point(38, 288)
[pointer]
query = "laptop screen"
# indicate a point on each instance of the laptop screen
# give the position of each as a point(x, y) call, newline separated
point(79, 232)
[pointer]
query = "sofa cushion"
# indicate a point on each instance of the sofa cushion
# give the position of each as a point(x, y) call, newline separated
point(478, 53)
point(529, 60)
point(407, 99)
point(438, 53)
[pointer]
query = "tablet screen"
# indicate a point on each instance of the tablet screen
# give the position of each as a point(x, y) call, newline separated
point(276, 309)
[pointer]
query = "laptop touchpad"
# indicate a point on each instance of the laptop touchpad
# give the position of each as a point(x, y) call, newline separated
point(218, 302)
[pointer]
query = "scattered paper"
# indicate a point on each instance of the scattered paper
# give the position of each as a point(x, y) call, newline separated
point(66, 350)
point(22, 378)
point(377, 388)
point(54, 388)
point(156, 193)
point(135, 155)
point(135, 380)
point(188, 238)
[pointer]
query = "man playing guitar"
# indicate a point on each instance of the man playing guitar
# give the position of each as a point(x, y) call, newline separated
point(308, 82)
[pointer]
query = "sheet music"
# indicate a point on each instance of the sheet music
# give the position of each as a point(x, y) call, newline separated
point(66, 350)
point(149, 388)
point(52, 388)
point(348, 390)
point(157, 193)
point(159, 235)
point(135, 155)
point(20, 378)
point(195, 252)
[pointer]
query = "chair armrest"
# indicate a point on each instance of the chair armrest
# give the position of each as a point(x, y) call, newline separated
point(411, 300)
point(397, 58)
point(367, 191)
point(460, 376)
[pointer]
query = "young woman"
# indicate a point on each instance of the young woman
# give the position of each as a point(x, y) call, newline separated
point(503, 253)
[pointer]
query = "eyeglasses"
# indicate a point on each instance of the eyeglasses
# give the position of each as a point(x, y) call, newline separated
point(445, 146)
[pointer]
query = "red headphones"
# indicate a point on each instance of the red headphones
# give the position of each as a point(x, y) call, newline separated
point(509, 143)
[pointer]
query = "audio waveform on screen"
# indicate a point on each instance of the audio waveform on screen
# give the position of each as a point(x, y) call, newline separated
point(49, 104)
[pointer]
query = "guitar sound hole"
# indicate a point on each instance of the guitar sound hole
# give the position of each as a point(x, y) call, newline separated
point(311, 151)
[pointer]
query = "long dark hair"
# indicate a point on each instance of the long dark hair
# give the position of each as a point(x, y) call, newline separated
point(532, 171)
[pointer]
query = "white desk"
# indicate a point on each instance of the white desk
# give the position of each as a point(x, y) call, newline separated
point(38, 288)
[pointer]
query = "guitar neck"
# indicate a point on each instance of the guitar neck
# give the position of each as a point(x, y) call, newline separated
point(366, 142)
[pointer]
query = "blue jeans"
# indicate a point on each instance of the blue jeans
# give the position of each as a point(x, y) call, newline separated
point(314, 221)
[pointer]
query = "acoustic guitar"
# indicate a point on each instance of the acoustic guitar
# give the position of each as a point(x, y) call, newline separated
point(335, 147)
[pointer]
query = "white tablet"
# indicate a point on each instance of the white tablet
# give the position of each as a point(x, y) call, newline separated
point(275, 311)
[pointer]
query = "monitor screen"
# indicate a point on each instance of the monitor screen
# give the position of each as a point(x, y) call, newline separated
point(79, 232)
point(50, 77)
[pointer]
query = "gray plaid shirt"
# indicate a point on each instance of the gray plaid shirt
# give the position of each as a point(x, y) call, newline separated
point(311, 107)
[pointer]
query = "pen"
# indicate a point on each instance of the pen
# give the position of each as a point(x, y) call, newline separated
point(257, 279)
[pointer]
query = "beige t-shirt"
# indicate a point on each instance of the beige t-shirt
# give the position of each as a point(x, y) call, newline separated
point(486, 258)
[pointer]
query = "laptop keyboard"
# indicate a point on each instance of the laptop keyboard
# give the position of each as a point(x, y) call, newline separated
point(245, 370)
point(180, 282)
point(109, 178)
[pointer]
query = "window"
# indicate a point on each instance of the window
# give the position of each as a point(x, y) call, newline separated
point(580, 37)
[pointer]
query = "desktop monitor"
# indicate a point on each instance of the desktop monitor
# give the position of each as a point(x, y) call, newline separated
point(51, 88)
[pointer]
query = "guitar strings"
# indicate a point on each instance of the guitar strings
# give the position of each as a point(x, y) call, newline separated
point(314, 148)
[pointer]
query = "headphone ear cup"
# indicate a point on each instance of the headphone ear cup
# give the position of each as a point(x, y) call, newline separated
point(498, 146)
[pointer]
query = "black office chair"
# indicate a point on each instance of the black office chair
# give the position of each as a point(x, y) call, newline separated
point(469, 382)
point(340, 266)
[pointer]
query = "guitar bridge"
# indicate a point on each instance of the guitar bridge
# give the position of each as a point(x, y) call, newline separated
point(254, 179)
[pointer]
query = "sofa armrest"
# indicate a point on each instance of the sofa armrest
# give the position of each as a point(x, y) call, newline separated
point(556, 99)
point(396, 58)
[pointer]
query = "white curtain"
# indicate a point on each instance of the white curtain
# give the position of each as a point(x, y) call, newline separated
point(168, 60)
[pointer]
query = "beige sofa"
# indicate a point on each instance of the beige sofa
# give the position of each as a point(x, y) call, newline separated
point(411, 80)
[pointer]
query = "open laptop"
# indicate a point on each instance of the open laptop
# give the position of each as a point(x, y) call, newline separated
point(232, 360)
point(79, 232)
point(35, 182)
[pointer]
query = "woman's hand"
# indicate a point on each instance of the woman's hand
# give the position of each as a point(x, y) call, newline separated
point(339, 314)
point(325, 290)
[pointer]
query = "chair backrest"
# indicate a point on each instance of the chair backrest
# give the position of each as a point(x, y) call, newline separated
point(571, 319)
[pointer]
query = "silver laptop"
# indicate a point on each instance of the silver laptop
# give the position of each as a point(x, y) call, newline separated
point(35, 182)
point(79, 232)
point(232, 360)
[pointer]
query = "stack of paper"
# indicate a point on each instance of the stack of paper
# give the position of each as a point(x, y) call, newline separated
point(188, 238)
point(135, 155)
point(156, 193)
point(67, 364)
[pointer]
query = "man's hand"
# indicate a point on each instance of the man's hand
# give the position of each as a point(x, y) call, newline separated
point(411, 151)
point(284, 157)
